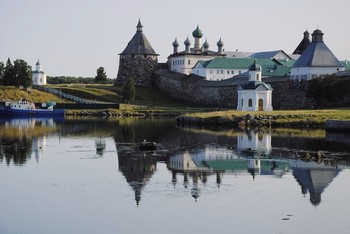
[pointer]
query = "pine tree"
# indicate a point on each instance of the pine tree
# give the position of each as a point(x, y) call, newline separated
point(8, 76)
point(22, 74)
point(2, 69)
point(101, 76)
point(129, 91)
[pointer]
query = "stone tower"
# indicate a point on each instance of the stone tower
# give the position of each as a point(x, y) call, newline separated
point(138, 61)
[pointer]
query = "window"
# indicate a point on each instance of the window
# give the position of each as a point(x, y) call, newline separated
point(228, 72)
point(217, 71)
point(257, 76)
point(210, 71)
point(250, 102)
point(222, 71)
point(232, 72)
point(242, 102)
point(189, 62)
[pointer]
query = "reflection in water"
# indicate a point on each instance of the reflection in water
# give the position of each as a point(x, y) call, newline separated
point(19, 137)
point(314, 178)
point(192, 155)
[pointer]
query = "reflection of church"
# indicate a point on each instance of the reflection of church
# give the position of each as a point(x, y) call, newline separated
point(314, 178)
point(137, 170)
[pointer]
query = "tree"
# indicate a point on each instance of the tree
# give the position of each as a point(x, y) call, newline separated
point(2, 68)
point(22, 74)
point(101, 77)
point(8, 75)
point(129, 91)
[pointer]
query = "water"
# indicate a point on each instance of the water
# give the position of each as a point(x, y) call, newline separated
point(88, 176)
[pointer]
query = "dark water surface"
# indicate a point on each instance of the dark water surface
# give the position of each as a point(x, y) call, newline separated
point(89, 176)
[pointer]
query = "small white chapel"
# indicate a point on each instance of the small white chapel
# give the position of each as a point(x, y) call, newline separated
point(38, 76)
point(254, 95)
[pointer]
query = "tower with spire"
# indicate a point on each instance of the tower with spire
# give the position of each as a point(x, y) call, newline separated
point(184, 61)
point(138, 60)
point(38, 76)
point(305, 42)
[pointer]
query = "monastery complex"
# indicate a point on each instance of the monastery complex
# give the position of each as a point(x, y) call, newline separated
point(198, 69)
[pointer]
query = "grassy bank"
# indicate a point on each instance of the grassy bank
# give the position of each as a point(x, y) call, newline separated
point(287, 118)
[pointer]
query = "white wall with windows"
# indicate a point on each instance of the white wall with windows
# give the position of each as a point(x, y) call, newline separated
point(185, 63)
point(216, 73)
point(308, 73)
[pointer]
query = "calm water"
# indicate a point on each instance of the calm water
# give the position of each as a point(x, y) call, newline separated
point(88, 176)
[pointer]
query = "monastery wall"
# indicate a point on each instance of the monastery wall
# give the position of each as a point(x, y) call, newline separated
point(192, 88)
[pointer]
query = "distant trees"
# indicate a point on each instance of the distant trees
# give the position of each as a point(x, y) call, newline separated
point(2, 67)
point(101, 77)
point(330, 89)
point(17, 74)
point(129, 91)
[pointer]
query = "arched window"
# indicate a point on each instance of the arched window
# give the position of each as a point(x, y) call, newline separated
point(257, 76)
point(250, 102)
point(242, 102)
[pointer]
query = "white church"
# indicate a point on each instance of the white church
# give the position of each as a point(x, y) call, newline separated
point(38, 76)
point(254, 95)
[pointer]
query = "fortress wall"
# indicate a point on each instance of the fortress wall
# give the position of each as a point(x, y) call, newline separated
point(139, 69)
point(285, 95)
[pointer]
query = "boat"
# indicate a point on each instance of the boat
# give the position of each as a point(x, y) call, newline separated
point(146, 145)
point(25, 108)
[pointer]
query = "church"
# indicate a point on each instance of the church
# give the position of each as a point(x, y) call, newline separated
point(254, 95)
point(38, 76)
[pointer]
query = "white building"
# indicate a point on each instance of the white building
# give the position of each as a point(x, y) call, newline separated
point(255, 95)
point(184, 61)
point(316, 60)
point(38, 76)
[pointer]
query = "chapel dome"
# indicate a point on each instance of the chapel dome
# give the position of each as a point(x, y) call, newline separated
point(255, 66)
point(175, 43)
point(206, 44)
point(197, 32)
point(220, 43)
point(187, 42)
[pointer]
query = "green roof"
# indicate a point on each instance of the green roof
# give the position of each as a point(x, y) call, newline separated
point(270, 67)
point(346, 64)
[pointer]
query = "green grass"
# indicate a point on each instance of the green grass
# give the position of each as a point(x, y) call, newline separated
point(284, 116)
point(15, 94)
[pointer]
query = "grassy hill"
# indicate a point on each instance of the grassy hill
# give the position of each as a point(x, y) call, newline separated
point(15, 94)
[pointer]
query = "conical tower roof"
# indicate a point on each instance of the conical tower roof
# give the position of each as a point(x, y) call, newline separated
point(317, 54)
point(303, 44)
point(139, 45)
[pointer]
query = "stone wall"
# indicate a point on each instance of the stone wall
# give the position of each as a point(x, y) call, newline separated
point(192, 88)
point(139, 69)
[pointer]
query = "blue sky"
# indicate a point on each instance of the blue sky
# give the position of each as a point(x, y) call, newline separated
point(75, 37)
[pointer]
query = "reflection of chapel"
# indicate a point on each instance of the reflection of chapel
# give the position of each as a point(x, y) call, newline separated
point(254, 95)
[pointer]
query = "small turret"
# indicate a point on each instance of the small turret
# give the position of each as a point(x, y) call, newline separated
point(187, 45)
point(176, 46)
point(220, 44)
point(197, 34)
point(206, 45)
point(317, 35)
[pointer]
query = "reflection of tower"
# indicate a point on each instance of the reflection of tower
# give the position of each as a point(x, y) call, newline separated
point(257, 141)
point(137, 171)
point(314, 178)
point(195, 191)
point(254, 166)
point(38, 145)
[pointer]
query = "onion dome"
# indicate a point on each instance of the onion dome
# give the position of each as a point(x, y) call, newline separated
point(206, 44)
point(255, 66)
point(197, 32)
point(187, 42)
point(220, 43)
point(175, 43)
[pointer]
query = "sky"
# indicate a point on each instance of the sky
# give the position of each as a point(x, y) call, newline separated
point(76, 37)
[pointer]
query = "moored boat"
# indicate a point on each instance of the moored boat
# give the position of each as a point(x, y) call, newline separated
point(26, 108)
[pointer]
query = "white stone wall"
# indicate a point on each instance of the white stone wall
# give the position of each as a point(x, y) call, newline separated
point(254, 95)
point(39, 78)
point(307, 73)
point(217, 74)
point(185, 63)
